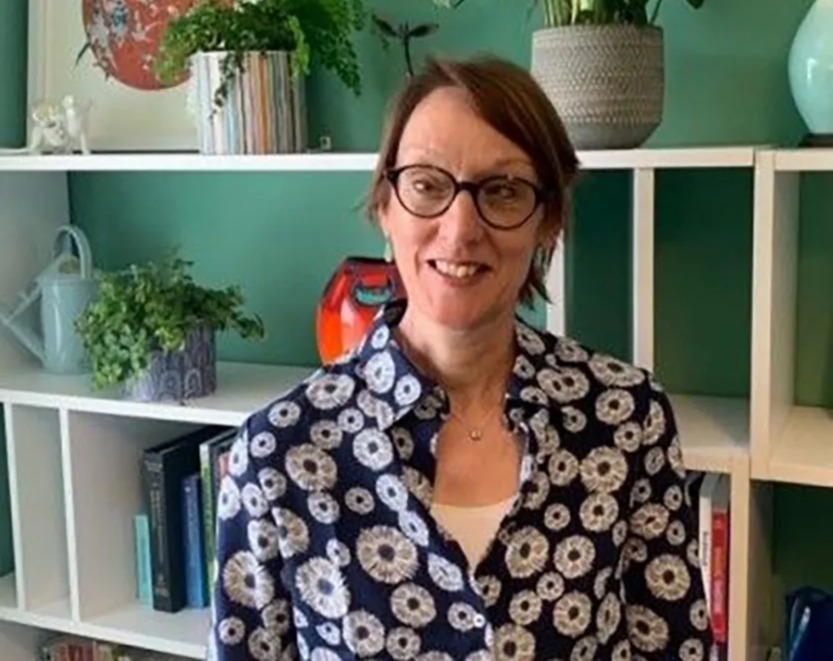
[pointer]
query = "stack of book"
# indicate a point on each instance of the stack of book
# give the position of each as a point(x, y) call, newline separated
point(175, 531)
point(75, 648)
point(709, 493)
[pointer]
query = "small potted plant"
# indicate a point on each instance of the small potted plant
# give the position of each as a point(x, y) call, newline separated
point(601, 63)
point(247, 60)
point(151, 330)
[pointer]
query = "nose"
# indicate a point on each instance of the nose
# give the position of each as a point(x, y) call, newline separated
point(460, 224)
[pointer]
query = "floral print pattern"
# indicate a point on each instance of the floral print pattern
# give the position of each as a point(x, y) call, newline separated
point(327, 548)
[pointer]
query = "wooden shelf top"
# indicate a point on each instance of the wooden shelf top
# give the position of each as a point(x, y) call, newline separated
point(182, 634)
point(241, 389)
point(802, 453)
point(714, 431)
point(615, 159)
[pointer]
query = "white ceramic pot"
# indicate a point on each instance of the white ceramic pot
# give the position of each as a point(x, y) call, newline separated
point(264, 110)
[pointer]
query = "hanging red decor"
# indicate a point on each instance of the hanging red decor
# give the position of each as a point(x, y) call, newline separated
point(124, 36)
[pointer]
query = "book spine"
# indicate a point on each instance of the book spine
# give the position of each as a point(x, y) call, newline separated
point(720, 575)
point(192, 538)
point(159, 533)
point(144, 567)
point(208, 510)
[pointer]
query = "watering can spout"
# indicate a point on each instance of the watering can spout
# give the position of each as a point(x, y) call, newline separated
point(25, 335)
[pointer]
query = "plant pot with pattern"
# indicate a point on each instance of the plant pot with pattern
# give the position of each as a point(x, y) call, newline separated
point(601, 63)
point(248, 61)
point(151, 331)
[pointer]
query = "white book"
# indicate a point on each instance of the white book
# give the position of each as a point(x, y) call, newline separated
point(705, 508)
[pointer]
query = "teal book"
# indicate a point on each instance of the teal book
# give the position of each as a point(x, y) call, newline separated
point(144, 580)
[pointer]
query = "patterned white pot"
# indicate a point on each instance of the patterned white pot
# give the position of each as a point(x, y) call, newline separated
point(607, 82)
point(264, 111)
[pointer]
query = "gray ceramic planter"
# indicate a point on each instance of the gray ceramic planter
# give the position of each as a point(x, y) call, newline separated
point(607, 82)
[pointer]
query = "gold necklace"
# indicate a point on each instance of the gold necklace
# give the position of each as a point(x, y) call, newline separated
point(475, 433)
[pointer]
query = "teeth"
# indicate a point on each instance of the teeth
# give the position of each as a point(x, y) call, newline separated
point(456, 270)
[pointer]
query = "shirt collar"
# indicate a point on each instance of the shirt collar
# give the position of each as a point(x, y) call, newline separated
point(394, 379)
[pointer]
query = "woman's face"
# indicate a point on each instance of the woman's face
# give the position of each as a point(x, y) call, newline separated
point(458, 271)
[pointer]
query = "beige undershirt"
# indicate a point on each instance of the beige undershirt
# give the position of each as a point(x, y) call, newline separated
point(473, 527)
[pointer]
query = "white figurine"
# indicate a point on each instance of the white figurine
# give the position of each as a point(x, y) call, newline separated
point(75, 121)
point(57, 129)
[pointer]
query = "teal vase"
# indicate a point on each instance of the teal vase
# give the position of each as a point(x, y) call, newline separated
point(811, 72)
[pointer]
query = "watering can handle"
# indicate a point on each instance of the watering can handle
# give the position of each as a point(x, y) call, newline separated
point(84, 252)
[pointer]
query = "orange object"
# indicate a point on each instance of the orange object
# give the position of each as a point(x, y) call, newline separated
point(350, 301)
point(125, 37)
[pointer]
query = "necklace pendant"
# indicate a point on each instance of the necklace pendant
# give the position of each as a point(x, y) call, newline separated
point(475, 435)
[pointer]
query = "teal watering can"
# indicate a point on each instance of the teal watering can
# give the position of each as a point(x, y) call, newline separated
point(64, 290)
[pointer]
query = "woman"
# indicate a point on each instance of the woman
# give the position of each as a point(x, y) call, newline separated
point(463, 486)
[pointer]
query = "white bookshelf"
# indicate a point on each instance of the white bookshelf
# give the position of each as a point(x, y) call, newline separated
point(245, 387)
point(73, 451)
point(792, 443)
point(804, 160)
point(701, 157)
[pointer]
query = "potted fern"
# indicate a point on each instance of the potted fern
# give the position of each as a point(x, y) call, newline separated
point(151, 331)
point(248, 60)
point(601, 63)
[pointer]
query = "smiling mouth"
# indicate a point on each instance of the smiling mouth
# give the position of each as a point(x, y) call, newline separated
point(457, 270)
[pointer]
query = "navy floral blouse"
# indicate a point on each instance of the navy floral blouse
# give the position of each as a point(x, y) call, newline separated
point(327, 548)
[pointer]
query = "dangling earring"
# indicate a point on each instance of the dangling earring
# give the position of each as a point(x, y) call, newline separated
point(541, 260)
point(388, 250)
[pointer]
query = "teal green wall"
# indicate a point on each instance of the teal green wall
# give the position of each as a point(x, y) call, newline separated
point(280, 235)
point(13, 44)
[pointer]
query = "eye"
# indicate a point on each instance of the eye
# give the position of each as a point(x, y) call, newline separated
point(426, 183)
point(506, 191)
point(502, 189)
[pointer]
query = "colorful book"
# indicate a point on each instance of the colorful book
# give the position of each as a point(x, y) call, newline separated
point(144, 569)
point(163, 468)
point(211, 454)
point(195, 577)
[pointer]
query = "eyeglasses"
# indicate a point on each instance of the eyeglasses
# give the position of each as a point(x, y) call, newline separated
point(503, 202)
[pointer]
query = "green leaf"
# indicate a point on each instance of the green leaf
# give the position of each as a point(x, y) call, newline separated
point(143, 309)
point(315, 31)
point(384, 27)
point(423, 30)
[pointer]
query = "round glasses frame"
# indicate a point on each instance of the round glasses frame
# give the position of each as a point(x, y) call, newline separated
point(473, 187)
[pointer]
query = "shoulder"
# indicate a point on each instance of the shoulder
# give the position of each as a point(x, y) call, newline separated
point(562, 354)
point(608, 389)
point(608, 403)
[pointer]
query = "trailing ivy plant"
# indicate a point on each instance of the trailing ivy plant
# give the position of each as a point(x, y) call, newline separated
point(151, 308)
point(314, 31)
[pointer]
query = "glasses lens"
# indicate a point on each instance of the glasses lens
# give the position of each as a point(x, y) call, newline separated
point(424, 191)
point(506, 202)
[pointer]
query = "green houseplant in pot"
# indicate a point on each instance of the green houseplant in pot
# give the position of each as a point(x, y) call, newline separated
point(601, 63)
point(151, 330)
point(247, 61)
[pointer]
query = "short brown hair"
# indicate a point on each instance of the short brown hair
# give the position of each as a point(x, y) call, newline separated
point(509, 99)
